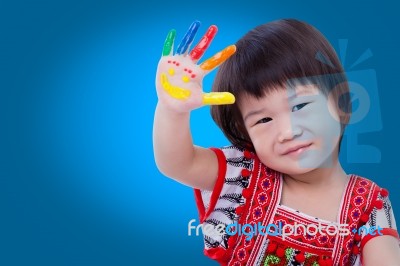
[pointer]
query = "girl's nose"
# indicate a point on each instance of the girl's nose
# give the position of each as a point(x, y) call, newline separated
point(290, 132)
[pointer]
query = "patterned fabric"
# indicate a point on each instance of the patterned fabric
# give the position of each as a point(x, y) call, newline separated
point(248, 193)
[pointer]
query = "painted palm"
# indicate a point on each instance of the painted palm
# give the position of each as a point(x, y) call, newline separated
point(179, 76)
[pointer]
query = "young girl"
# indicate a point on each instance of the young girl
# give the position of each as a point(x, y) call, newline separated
point(282, 99)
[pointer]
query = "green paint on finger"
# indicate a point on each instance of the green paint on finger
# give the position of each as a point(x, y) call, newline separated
point(169, 43)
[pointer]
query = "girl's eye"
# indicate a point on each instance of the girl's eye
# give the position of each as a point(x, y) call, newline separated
point(264, 120)
point(298, 107)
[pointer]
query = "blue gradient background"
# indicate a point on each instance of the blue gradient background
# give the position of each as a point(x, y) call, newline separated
point(78, 183)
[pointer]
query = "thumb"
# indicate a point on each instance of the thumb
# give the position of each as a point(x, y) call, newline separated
point(218, 98)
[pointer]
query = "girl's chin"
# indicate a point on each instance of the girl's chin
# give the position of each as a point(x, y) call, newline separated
point(292, 172)
point(295, 170)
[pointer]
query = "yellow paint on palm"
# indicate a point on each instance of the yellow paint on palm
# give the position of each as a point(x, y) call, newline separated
point(218, 58)
point(218, 98)
point(171, 71)
point(175, 91)
point(185, 79)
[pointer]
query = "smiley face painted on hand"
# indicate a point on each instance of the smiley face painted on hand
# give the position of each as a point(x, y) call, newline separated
point(177, 73)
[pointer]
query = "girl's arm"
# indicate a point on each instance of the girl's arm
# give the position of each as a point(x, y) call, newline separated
point(175, 154)
point(179, 89)
point(383, 250)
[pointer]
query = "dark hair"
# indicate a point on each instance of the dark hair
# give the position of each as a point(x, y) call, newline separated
point(272, 56)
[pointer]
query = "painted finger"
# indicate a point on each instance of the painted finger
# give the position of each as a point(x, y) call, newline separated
point(203, 44)
point(169, 43)
point(218, 58)
point(188, 38)
point(218, 98)
point(174, 91)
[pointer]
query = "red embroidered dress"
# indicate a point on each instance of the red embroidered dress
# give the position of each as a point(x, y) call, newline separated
point(248, 193)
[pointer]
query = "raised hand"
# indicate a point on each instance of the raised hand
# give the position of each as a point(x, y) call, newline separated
point(179, 78)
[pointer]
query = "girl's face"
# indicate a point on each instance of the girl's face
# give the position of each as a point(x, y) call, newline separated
point(294, 131)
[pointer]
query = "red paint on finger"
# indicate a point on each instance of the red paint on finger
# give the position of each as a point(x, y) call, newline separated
point(204, 43)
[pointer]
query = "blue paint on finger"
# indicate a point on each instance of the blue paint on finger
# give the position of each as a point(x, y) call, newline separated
point(188, 38)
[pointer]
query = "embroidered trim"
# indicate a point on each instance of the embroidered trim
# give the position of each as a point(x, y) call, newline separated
point(217, 188)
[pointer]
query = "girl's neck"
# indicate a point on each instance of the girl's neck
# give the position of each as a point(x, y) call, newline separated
point(334, 175)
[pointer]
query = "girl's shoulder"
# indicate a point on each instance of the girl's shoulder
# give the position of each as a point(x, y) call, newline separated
point(364, 201)
point(237, 158)
point(359, 185)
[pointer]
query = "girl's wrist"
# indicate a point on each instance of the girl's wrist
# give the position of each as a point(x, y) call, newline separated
point(164, 108)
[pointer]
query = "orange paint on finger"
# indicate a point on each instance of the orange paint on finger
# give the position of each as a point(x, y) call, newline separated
point(218, 58)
